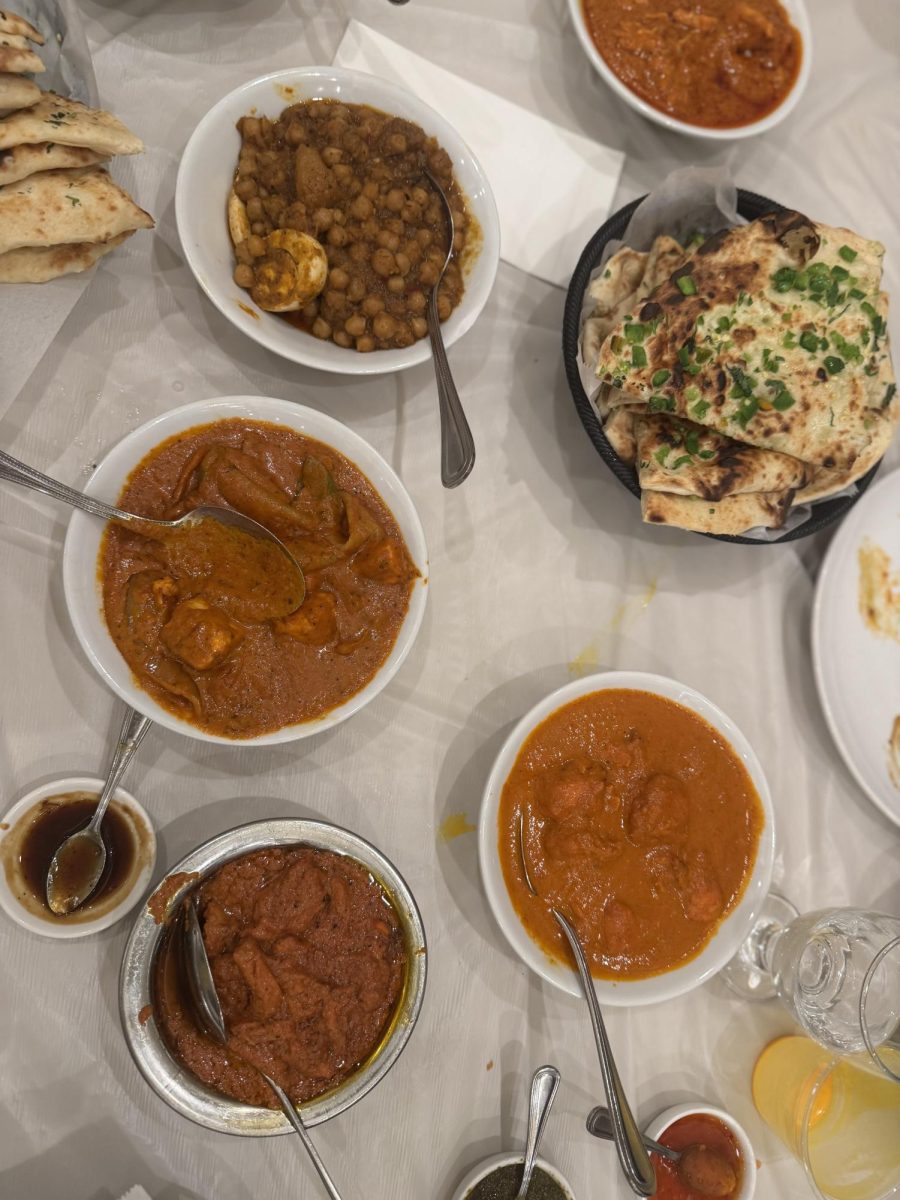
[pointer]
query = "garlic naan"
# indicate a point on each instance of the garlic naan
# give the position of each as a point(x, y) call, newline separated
point(16, 92)
point(11, 22)
point(38, 264)
point(22, 161)
point(733, 515)
point(17, 57)
point(58, 119)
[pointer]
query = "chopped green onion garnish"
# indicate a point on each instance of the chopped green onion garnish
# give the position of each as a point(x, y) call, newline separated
point(691, 394)
point(809, 341)
point(692, 442)
point(784, 278)
point(662, 454)
point(634, 334)
point(833, 365)
point(847, 254)
point(857, 294)
point(700, 409)
point(686, 285)
point(839, 273)
point(638, 356)
point(684, 356)
point(661, 404)
point(783, 400)
point(658, 378)
point(681, 461)
point(707, 454)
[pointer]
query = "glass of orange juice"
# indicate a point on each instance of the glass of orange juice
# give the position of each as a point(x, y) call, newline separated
point(839, 1116)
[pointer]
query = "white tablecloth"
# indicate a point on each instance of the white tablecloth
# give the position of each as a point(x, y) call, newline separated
point(539, 566)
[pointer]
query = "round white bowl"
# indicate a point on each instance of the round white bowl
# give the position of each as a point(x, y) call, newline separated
point(60, 929)
point(730, 934)
point(671, 1115)
point(486, 1166)
point(796, 10)
point(206, 174)
point(82, 586)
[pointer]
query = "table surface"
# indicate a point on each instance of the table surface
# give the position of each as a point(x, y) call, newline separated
point(540, 568)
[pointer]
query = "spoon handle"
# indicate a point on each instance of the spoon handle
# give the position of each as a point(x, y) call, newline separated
point(633, 1158)
point(599, 1124)
point(544, 1085)
point(134, 726)
point(14, 471)
point(457, 443)
point(294, 1117)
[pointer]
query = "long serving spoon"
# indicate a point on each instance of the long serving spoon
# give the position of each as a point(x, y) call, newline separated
point(77, 866)
point(457, 443)
point(14, 471)
point(634, 1160)
point(544, 1086)
point(208, 1010)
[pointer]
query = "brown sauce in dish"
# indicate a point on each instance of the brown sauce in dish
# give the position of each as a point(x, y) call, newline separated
point(641, 824)
point(696, 1129)
point(716, 63)
point(29, 848)
point(309, 961)
point(200, 635)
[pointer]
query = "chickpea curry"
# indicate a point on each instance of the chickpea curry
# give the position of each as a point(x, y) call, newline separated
point(640, 822)
point(204, 634)
point(337, 227)
point(715, 63)
point(309, 961)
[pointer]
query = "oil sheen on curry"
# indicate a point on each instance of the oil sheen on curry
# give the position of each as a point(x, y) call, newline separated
point(194, 620)
point(640, 823)
point(716, 63)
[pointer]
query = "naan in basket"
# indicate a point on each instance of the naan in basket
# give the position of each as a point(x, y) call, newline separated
point(68, 122)
point(22, 161)
point(16, 92)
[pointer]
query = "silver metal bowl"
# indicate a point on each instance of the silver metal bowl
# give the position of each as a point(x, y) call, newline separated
point(173, 1082)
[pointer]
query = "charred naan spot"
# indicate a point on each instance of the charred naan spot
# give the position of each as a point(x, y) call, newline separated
point(721, 380)
point(650, 310)
point(719, 400)
point(655, 518)
point(713, 243)
point(742, 335)
point(795, 232)
point(677, 374)
point(822, 375)
point(828, 462)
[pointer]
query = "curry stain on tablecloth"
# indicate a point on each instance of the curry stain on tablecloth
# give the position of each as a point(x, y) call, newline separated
point(623, 618)
point(455, 825)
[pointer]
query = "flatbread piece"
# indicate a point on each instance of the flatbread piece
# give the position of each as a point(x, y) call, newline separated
point(733, 515)
point(17, 57)
point(58, 119)
point(22, 161)
point(16, 92)
point(38, 264)
point(11, 22)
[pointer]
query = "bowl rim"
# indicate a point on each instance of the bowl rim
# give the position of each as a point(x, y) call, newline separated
point(669, 1116)
point(800, 19)
point(485, 1166)
point(751, 205)
point(61, 932)
point(174, 1083)
point(106, 483)
point(719, 949)
point(480, 197)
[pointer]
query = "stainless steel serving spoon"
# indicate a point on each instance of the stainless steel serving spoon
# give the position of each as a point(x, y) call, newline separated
point(457, 443)
point(544, 1086)
point(208, 1010)
point(83, 854)
point(14, 471)
point(634, 1160)
point(600, 1125)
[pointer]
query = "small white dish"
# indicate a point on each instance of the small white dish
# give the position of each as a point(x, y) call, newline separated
point(857, 671)
point(74, 927)
point(671, 1115)
point(82, 547)
point(796, 10)
point(488, 1165)
point(206, 174)
point(730, 934)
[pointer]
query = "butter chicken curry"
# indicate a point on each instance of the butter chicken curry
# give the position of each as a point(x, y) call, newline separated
point(206, 636)
point(640, 823)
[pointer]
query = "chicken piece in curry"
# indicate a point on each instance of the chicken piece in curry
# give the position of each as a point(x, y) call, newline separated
point(203, 634)
point(639, 822)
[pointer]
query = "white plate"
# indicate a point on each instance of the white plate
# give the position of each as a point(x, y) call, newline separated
point(857, 671)
point(730, 934)
point(204, 181)
point(82, 589)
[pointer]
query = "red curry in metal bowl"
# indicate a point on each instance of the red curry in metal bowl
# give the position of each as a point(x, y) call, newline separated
point(640, 823)
point(719, 64)
point(194, 624)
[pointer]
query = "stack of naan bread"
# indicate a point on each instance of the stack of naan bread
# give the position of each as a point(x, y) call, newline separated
point(748, 376)
point(59, 209)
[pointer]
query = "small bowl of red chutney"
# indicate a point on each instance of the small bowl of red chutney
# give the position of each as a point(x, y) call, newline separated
point(701, 1125)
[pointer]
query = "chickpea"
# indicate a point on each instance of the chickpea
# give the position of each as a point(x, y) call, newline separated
point(403, 337)
point(362, 207)
point(337, 215)
point(424, 237)
point(434, 213)
point(394, 200)
point(354, 187)
point(261, 228)
point(255, 210)
point(332, 155)
point(334, 304)
point(341, 338)
point(388, 240)
point(411, 213)
point(370, 189)
point(372, 306)
point(383, 262)
point(256, 245)
point(445, 307)
point(403, 263)
point(337, 256)
point(321, 329)
point(459, 240)
point(274, 206)
point(311, 311)
point(396, 284)
point(250, 127)
point(246, 189)
point(436, 255)
point(420, 196)
point(337, 235)
point(243, 276)
point(242, 251)
point(417, 301)
point(419, 327)
point(384, 326)
point(395, 225)
point(370, 230)
point(428, 274)
point(356, 325)
point(396, 143)
point(359, 252)
point(343, 173)
point(322, 220)
point(296, 134)
point(365, 344)
point(339, 279)
point(413, 251)
point(356, 290)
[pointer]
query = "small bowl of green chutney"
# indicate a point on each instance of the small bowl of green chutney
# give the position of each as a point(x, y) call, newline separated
point(499, 1177)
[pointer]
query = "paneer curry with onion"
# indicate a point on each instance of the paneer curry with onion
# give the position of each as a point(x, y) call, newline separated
point(640, 823)
point(195, 624)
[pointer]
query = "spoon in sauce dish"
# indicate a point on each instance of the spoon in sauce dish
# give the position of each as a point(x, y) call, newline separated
point(702, 1168)
point(221, 535)
point(207, 1009)
point(544, 1086)
point(633, 1158)
point(77, 866)
point(457, 443)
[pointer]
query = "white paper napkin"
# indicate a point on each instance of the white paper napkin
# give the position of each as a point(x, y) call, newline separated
point(553, 187)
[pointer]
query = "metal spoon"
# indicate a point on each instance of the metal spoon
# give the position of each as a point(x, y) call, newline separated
point(14, 471)
point(600, 1124)
point(206, 1005)
point(77, 865)
point(544, 1086)
point(633, 1158)
point(457, 443)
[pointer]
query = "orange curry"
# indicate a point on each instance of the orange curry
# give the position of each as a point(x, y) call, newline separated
point(716, 63)
point(212, 632)
point(640, 823)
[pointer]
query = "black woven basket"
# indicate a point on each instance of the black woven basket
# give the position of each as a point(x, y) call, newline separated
point(750, 206)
